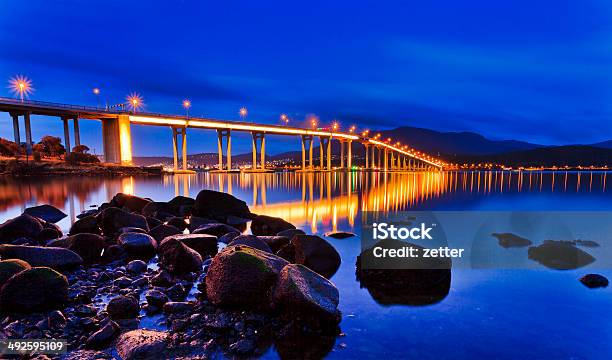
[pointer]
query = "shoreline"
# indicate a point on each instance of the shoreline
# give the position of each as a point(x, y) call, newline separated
point(21, 168)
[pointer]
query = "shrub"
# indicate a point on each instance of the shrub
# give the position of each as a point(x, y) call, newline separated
point(36, 156)
point(79, 157)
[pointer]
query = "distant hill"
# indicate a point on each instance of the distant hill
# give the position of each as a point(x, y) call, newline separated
point(604, 144)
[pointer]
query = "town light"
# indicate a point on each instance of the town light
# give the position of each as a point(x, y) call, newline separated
point(187, 105)
point(21, 86)
point(243, 113)
point(284, 118)
point(352, 129)
point(135, 101)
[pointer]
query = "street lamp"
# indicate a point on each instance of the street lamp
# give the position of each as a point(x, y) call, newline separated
point(335, 126)
point(187, 105)
point(352, 129)
point(135, 101)
point(313, 123)
point(96, 92)
point(21, 86)
point(284, 118)
point(243, 113)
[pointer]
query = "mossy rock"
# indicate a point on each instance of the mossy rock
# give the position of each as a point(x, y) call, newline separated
point(35, 289)
point(11, 267)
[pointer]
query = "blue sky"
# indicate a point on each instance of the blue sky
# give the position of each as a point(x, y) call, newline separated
point(530, 70)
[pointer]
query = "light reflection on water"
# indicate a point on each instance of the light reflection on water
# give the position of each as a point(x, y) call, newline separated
point(487, 313)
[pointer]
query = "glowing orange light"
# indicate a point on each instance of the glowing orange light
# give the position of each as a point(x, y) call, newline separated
point(243, 112)
point(21, 85)
point(96, 91)
point(335, 126)
point(186, 103)
point(135, 101)
point(284, 118)
point(352, 129)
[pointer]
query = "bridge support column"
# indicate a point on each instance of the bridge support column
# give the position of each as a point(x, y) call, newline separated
point(225, 133)
point(16, 128)
point(373, 158)
point(329, 144)
point(341, 154)
point(117, 139)
point(349, 158)
point(77, 133)
point(367, 156)
point(66, 135)
point(28, 131)
point(175, 134)
point(325, 148)
point(307, 139)
point(259, 137)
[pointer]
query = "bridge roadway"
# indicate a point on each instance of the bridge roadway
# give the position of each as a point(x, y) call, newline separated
point(117, 140)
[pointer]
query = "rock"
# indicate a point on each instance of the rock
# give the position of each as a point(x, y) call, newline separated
point(86, 355)
point(275, 242)
point(237, 222)
point(243, 347)
point(178, 258)
point(122, 282)
point(137, 244)
point(304, 293)
point(89, 246)
point(103, 337)
point(48, 234)
point(252, 241)
point(177, 292)
point(129, 202)
point(162, 231)
point(559, 255)
point(587, 243)
point(11, 267)
point(177, 222)
point(35, 289)
point(594, 281)
point(204, 244)
point(23, 226)
point(113, 253)
point(219, 205)
point(269, 225)
point(136, 267)
point(46, 212)
point(242, 277)
point(229, 237)
point(142, 344)
point(316, 254)
point(183, 205)
point(156, 298)
point(152, 222)
point(339, 234)
point(508, 240)
point(88, 224)
point(216, 229)
point(178, 307)
point(128, 229)
point(162, 279)
point(195, 222)
point(123, 307)
point(290, 233)
point(112, 219)
point(154, 208)
point(53, 257)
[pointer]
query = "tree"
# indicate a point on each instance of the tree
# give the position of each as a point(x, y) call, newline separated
point(51, 146)
point(81, 149)
point(9, 148)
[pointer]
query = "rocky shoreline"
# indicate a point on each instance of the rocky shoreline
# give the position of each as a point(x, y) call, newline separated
point(21, 168)
point(179, 279)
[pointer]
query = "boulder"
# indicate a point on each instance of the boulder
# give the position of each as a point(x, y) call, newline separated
point(229, 237)
point(509, 240)
point(303, 293)
point(123, 307)
point(142, 344)
point(46, 212)
point(594, 281)
point(339, 234)
point(291, 233)
point(112, 219)
point(560, 255)
point(177, 222)
point(316, 254)
point(162, 231)
point(11, 267)
point(178, 258)
point(219, 205)
point(156, 298)
point(53, 257)
point(183, 205)
point(137, 244)
point(162, 279)
point(48, 233)
point(252, 241)
point(89, 246)
point(88, 224)
point(103, 337)
point(275, 242)
point(205, 245)
point(195, 222)
point(154, 208)
point(269, 225)
point(242, 277)
point(132, 229)
point(216, 229)
point(35, 289)
point(23, 226)
point(178, 307)
point(136, 267)
point(152, 222)
point(130, 202)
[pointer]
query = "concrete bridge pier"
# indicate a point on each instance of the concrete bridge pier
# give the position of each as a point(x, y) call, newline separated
point(325, 147)
point(117, 140)
point(385, 162)
point(77, 133)
point(16, 128)
point(28, 131)
point(341, 154)
point(175, 133)
point(66, 135)
point(349, 158)
point(307, 141)
point(221, 134)
point(373, 158)
point(367, 156)
point(259, 137)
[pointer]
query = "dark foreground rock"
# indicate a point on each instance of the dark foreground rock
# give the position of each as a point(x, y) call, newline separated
point(178, 258)
point(560, 255)
point(53, 257)
point(218, 205)
point(142, 344)
point(594, 281)
point(46, 212)
point(103, 337)
point(11, 267)
point(204, 244)
point(215, 229)
point(123, 307)
point(162, 231)
point(252, 241)
point(138, 244)
point(87, 224)
point(112, 219)
point(315, 253)
point(269, 225)
point(339, 234)
point(35, 289)
point(23, 226)
point(89, 246)
point(132, 203)
point(509, 240)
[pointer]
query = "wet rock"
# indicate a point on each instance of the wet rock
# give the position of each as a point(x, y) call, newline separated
point(242, 277)
point(142, 344)
point(162, 231)
point(86, 355)
point(136, 267)
point(304, 293)
point(238, 222)
point(89, 246)
point(130, 202)
point(153, 222)
point(268, 225)
point(35, 289)
point(122, 282)
point(508, 240)
point(204, 244)
point(46, 212)
point(252, 241)
point(587, 243)
point(113, 253)
point(244, 346)
point(195, 222)
point(178, 307)
point(23, 226)
point(156, 298)
point(112, 219)
point(103, 337)
point(129, 229)
point(594, 281)
point(137, 244)
point(153, 209)
point(48, 233)
point(177, 292)
point(216, 229)
point(11, 267)
point(162, 279)
point(559, 255)
point(88, 224)
point(275, 242)
point(316, 254)
point(178, 258)
point(123, 307)
point(291, 233)
point(229, 237)
point(177, 222)
point(183, 205)
point(339, 234)
point(219, 205)
point(53, 257)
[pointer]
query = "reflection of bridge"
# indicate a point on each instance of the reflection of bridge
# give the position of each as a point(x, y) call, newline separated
point(116, 134)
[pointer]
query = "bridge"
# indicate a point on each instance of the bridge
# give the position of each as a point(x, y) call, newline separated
point(117, 140)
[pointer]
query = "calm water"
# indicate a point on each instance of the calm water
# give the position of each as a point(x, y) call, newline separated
point(503, 314)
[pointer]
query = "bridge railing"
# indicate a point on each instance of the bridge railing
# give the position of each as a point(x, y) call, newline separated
point(46, 104)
